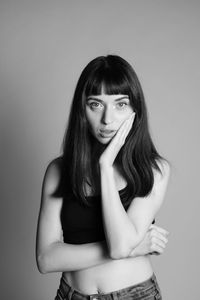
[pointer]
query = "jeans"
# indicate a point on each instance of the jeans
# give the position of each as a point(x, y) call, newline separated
point(146, 290)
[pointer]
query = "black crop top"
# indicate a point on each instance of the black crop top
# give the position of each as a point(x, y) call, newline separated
point(82, 224)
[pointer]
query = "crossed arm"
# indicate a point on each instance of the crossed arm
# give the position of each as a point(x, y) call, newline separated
point(53, 255)
point(126, 230)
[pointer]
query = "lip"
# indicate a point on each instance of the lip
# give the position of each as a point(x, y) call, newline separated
point(107, 133)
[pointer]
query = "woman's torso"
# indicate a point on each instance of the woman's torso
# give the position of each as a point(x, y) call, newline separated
point(114, 274)
point(111, 276)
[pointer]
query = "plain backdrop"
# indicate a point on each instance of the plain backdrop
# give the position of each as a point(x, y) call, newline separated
point(44, 45)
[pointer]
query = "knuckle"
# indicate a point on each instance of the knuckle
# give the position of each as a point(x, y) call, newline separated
point(155, 231)
point(152, 233)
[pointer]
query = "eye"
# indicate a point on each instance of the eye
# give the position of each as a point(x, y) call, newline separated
point(122, 105)
point(95, 105)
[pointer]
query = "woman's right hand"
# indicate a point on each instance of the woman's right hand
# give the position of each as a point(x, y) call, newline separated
point(154, 242)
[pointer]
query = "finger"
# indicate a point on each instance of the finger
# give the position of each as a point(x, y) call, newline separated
point(158, 235)
point(127, 127)
point(125, 132)
point(157, 248)
point(160, 229)
point(120, 137)
point(162, 238)
point(124, 126)
point(121, 130)
point(157, 241)
point(128, 121)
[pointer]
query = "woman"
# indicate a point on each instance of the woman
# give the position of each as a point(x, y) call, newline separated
point(100, 198)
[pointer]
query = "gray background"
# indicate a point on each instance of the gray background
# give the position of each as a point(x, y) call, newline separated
point(44, 46)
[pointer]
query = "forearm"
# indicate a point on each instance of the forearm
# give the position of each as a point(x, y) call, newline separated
point(120, 232)
point(61, 257)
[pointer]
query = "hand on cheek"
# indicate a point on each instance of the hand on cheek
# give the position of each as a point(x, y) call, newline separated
point(108, 156)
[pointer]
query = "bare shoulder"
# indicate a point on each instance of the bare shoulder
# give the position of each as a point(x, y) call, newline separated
point(164, 167)
point(161, 179)
point(52, 177)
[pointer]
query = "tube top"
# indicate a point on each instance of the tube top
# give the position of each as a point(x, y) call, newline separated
point(83, 224)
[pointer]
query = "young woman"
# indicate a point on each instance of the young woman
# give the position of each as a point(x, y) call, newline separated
point(101, 196)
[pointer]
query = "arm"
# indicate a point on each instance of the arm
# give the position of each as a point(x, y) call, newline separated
point(124, 231)
point(154, 242)
point(52, 254)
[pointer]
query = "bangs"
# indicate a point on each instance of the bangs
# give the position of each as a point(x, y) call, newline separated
point(108, 81)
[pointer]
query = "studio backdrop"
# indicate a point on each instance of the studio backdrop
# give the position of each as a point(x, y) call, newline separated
point(44, 45)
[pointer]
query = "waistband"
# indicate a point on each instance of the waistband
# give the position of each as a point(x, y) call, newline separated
point(138, 289)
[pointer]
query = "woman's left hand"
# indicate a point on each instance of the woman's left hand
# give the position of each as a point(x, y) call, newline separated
point(108, 156)
point(154, 242)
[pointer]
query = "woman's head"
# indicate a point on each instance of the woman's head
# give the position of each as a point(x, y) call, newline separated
point(107, 92)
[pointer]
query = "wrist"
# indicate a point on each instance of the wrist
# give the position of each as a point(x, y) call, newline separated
point(105, 166)
point(133, 253)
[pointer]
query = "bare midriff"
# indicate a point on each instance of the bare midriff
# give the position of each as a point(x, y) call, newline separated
point(111, 276)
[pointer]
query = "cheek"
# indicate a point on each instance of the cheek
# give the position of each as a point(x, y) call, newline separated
point(91, 122)
point(93, 118)
point(123, 117)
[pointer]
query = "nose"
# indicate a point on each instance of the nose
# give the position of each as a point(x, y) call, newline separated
point(107, 117)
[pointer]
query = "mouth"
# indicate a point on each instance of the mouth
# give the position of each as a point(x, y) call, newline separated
point(107, 133)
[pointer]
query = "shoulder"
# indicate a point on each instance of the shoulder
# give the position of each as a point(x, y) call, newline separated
point(164, 170)
point(161, 178)
point(52, 176)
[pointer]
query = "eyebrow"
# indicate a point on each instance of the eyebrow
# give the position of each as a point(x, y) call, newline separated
point(116, 100)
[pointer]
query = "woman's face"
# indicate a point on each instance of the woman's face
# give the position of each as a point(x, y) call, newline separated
point(106, 113)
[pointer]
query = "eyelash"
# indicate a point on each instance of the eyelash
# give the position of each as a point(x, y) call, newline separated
point(94, 105)
point(124, 104)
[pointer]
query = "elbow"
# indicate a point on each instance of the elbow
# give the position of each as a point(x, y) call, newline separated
point(120, 252)
point(123, 249)
point(42, 264)
point(45, 258)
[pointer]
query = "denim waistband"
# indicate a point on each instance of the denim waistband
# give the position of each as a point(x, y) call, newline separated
point(137, 291)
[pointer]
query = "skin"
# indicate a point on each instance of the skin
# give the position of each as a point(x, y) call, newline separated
point(124, 259)
point(113, 112)
point(108, 112)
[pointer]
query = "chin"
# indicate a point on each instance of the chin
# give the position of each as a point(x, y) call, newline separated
point(101, 140)
point(104, 141)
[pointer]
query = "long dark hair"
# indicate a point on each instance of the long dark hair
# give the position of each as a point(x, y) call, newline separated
point(137, 157)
